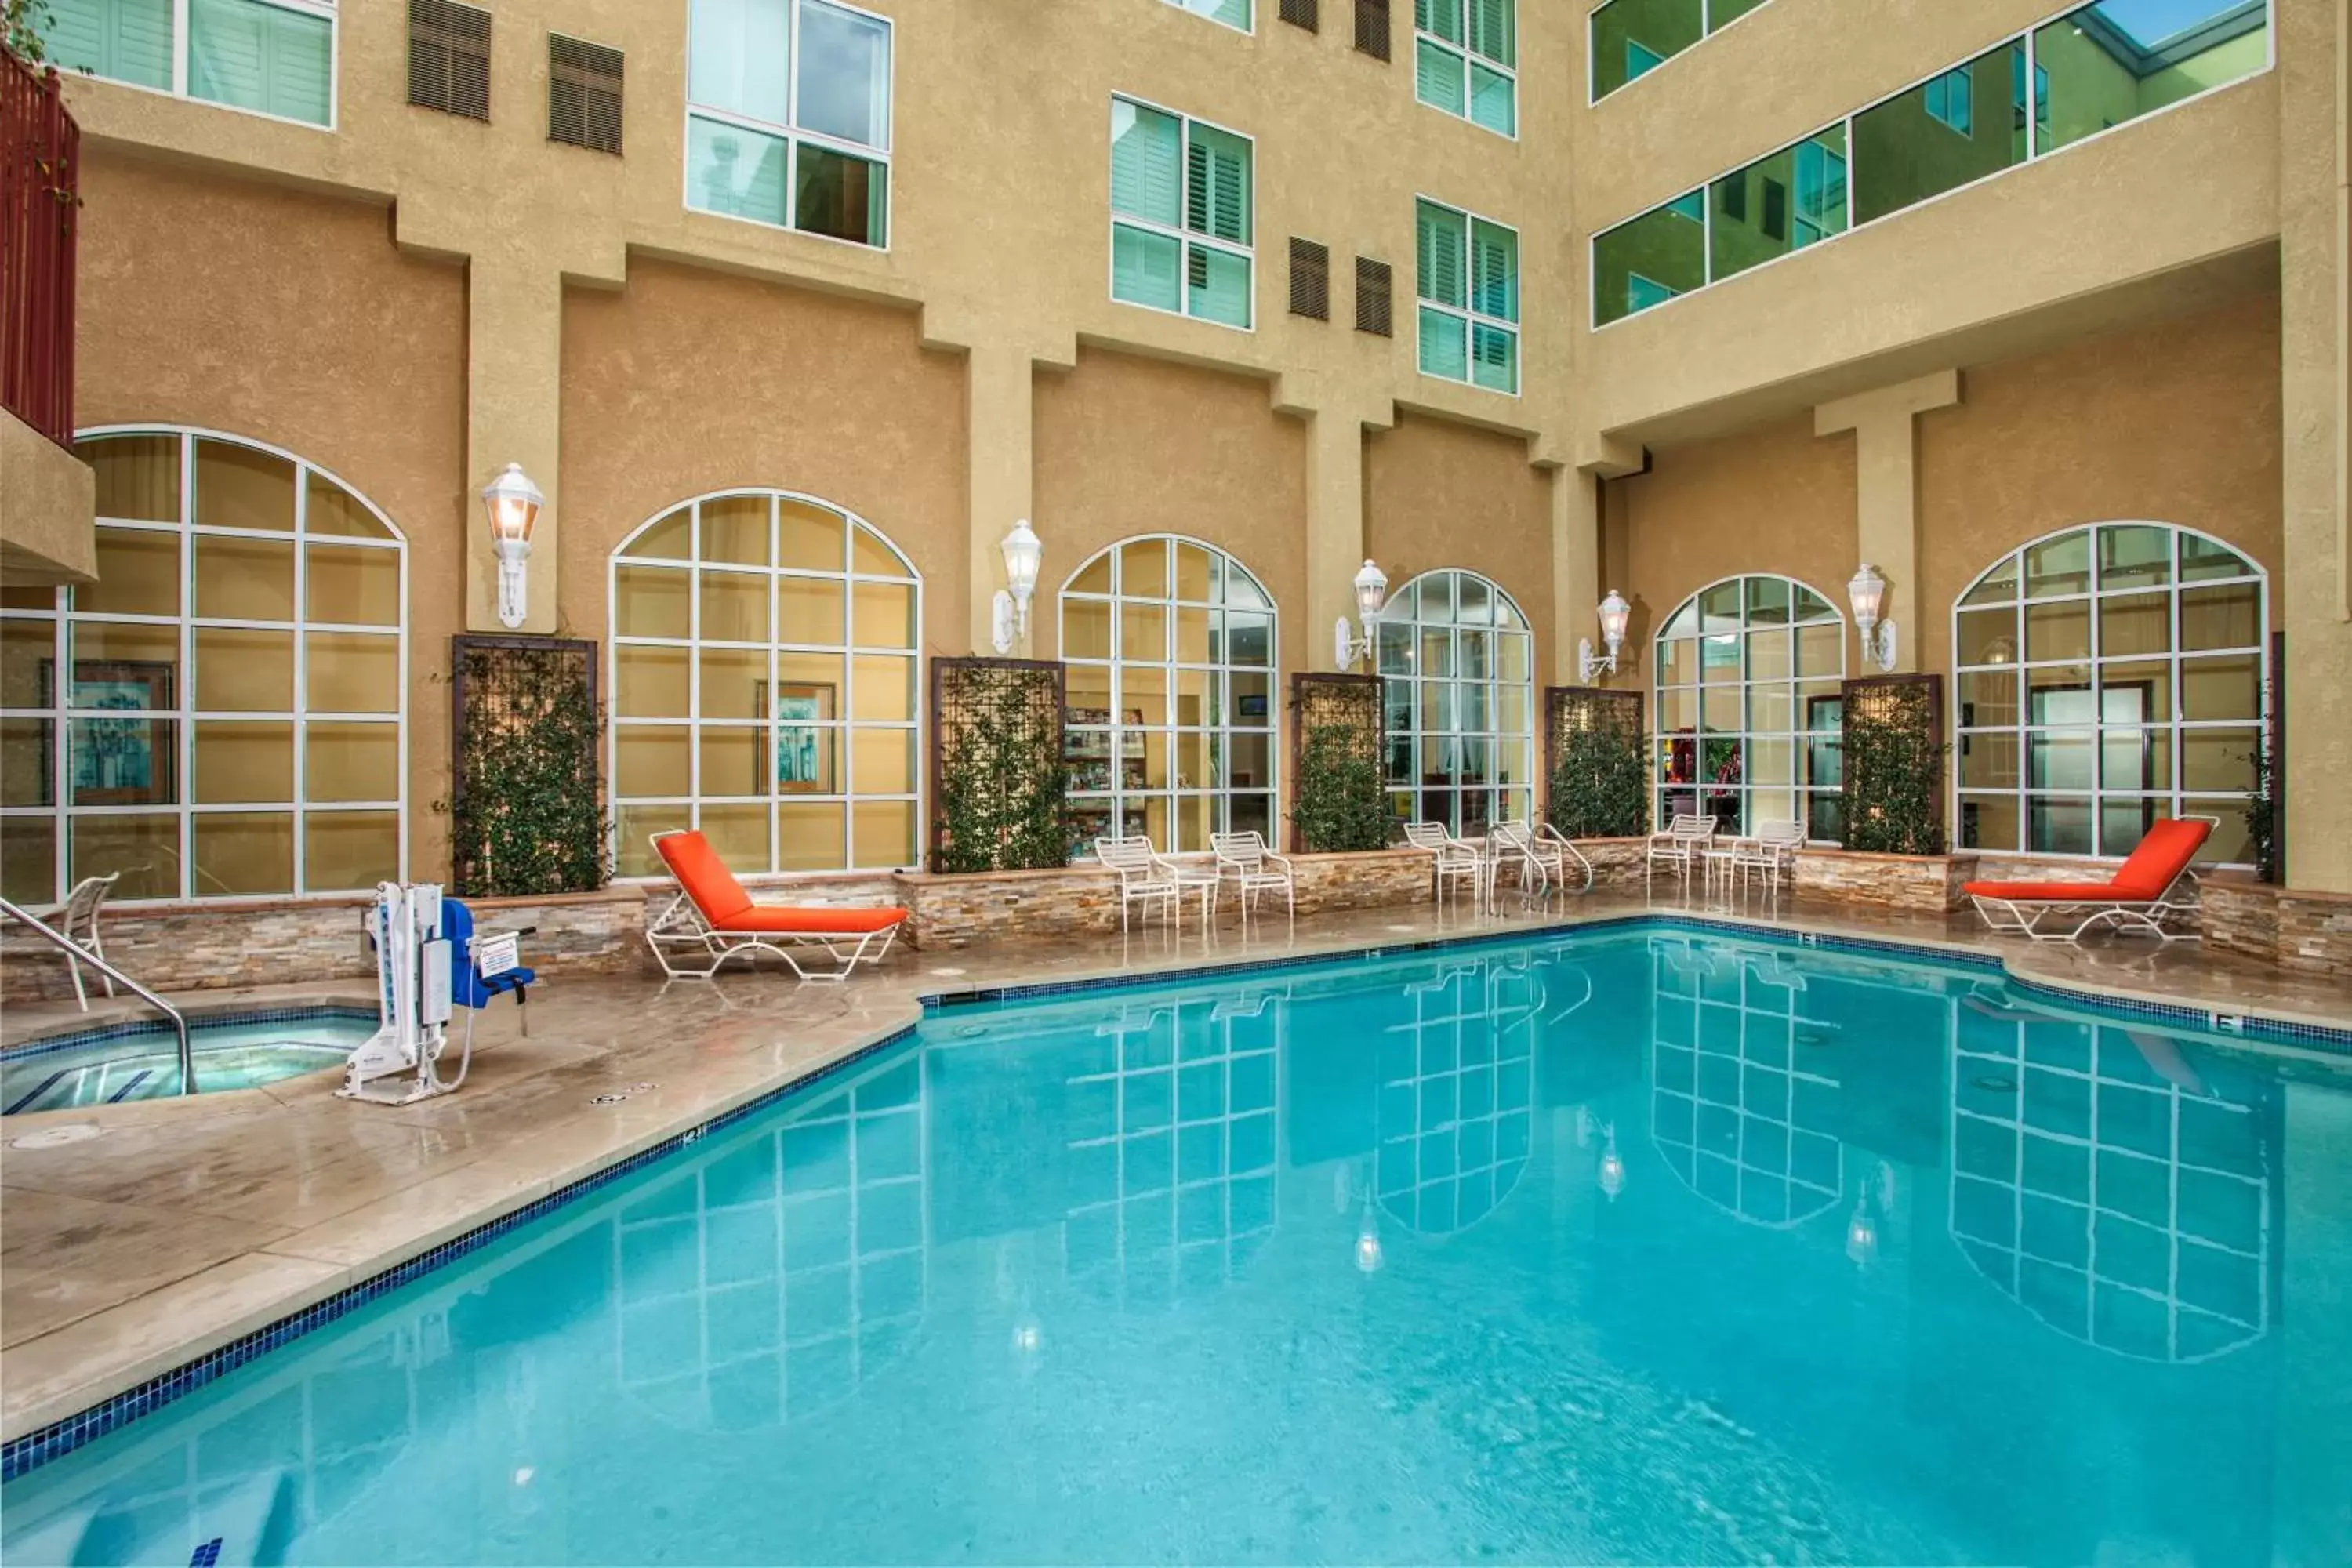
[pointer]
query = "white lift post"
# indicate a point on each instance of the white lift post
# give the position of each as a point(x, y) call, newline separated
point(412, 971)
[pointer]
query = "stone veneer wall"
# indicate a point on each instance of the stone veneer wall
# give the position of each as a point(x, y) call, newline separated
point(1928, 882)
point(2311, 932)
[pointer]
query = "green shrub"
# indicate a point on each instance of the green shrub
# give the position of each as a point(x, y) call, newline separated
point(1600, 789)
point(1340, 804)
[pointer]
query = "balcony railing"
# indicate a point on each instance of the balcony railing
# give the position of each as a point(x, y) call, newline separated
point(39, 167)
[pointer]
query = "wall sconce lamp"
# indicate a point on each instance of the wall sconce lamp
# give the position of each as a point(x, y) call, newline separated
point(512, 502)
point(1009, 611)
point(1613, 613)
point(1868, 592)
point(1613, 1163)
point(1371, 592)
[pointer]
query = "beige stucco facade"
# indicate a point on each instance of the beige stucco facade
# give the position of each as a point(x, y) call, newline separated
point(2150, 324)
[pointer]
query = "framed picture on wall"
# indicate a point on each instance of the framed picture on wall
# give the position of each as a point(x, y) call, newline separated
point(801, 759)
point(128, 761)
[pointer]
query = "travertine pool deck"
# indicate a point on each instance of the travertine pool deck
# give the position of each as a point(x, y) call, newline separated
point(186, 1224)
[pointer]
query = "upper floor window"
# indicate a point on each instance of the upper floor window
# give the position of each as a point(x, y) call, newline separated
point(788, 116)
point(271, 56)
point(1465, 56)
point(1180, 215)
point(1469, 287)
point(1950, 99)
point(1234, 14)
point(1634, 37)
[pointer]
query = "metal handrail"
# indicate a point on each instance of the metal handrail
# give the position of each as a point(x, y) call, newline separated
point(77, 953)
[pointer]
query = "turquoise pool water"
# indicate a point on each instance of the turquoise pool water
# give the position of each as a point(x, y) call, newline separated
point(1636, 1248)
point(146, 1065)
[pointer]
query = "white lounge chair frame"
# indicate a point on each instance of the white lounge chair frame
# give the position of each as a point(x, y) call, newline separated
point(2181, 896)
point(1144, 875)
point(1452, 861)
point(76, 921)
point(1255, 868)
point(682, 927)
point(1680, 846)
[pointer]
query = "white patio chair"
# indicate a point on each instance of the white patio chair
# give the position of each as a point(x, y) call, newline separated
point(1452, 861)
point(1143, 876)
point(1682, 846)
point(77, 918)
point(1771, 851)
point(1255, 868)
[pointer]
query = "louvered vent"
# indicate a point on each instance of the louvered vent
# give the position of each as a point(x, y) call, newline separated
point(1371, 296)
point(584, 94)
point(450, 57)
point(1372, 28)
point(1310, 279)
point(1303, 13)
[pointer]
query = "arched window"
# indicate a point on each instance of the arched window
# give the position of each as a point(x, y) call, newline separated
point(223, 714)
point(1171, 650)
point(1749, 711)
point(1459, 662)
point(2104, 677)
point(764, 685)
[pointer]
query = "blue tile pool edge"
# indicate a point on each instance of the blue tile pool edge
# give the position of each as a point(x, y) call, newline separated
point(98, 1034)
point(23, 1455)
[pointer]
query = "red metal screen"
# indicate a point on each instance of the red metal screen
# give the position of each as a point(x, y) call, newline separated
point(39, 160)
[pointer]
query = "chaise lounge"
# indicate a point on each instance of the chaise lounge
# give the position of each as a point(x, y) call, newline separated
point(713, 915)
point(2152, 886)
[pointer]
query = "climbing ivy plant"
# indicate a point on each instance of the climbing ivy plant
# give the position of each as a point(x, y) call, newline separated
point(1598, 789)
point(1002, 785)
point(22, 22)
point(527, 817)
point(1340, 804)
point(1895, 767)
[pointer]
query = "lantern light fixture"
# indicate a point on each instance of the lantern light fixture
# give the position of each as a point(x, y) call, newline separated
point(1009, 610)
point(512, 504)
point(1614, 611)
point(1868, 594)
point(1371, 585)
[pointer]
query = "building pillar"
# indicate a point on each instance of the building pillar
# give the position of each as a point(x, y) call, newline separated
point(1001, 429)
point(514, 382)
point(1886, 489)
point(2312, 594)
point(1576, 586)
point(1335, 526)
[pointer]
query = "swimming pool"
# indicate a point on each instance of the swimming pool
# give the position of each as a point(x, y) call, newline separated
point(1651, 1247)
point(109, 1066)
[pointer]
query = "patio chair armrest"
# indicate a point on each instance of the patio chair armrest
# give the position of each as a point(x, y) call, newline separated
point(1271, 858)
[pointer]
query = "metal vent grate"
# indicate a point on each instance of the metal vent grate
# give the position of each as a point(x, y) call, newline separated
point(1310, 279)
point(1304, 14)
point(584, 94)
point(1372, 28)
point(1372, 296)
point(450, 57)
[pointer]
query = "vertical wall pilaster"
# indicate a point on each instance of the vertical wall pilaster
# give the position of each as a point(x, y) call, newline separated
point(1001, 412)
point(1575, 585)
point(1886, 491)
point(514, 381)
point(1335, 525)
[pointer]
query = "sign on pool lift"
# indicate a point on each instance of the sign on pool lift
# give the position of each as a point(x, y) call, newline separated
point(428, 961)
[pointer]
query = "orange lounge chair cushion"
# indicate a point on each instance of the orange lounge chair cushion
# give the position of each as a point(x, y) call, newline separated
point(728, 907)
point(2160, 858)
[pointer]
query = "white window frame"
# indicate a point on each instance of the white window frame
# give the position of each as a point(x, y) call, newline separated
point(1707, 29)
point(2035, 153)
point(185, 715)
point(1471, 316)
point(1183, 235)
point(1421, 732)
point(843, 726)
point(792, 136)
point(1463, 53)
point(2176, 798)
point(1221, 734)
point(1945, 116)
point(1191, 9)
point(325, 10)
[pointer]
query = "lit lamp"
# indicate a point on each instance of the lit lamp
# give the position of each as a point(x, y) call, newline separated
point(512, 502)
point(1868, 592)
point(1613, 1163)
point(1371, 592)
point(1367, 1240)
point(1613, 613)
point(1009, 609)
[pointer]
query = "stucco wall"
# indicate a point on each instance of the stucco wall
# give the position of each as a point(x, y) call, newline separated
point(291, 318)
point(1437, 494)
point(688, 381)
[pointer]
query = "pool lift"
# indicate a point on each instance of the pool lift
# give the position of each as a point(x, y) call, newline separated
point(429, 960)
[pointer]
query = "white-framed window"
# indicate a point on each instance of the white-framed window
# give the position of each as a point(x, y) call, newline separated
point(1641, 59)
point(2104, 677)
point(766, 686)
point(1465, 61)
point(1458, 662)
point(1468, 283)
point(1234, 14)
point(788, 116)
point(1750, 708)
point(223, 714)
point(1171, 729)
point(268, 56)
point(1181, 222)
point(1950, 100)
